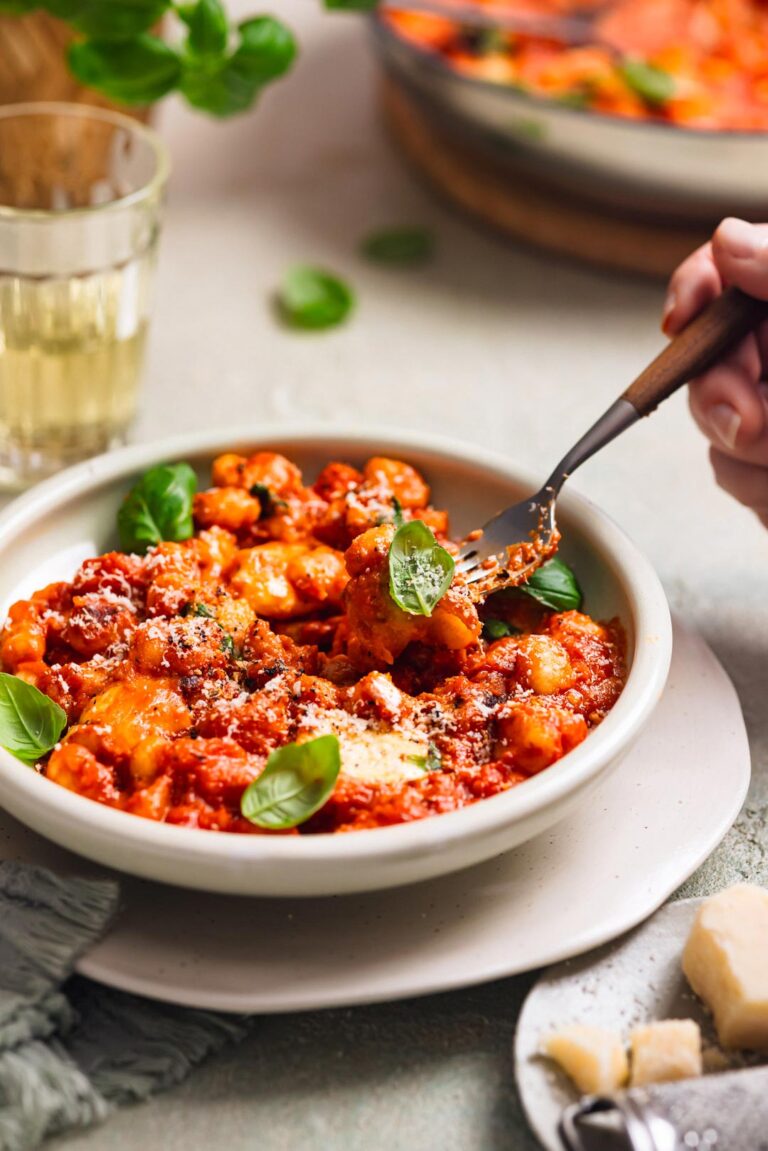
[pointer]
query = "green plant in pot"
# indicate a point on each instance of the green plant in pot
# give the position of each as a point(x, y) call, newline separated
point(217, 65)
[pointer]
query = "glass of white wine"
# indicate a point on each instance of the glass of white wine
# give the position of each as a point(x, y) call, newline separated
point(81, 196)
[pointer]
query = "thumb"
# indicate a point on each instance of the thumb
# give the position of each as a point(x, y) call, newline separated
point(740, 253)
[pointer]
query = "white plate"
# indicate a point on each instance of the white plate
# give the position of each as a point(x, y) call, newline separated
point(43, 535)
point(634, 981)
point(642, 832)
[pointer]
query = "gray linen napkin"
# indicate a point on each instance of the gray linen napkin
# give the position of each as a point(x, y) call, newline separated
point(71, 1050)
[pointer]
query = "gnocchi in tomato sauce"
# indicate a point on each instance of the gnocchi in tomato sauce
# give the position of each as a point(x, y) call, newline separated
point(183, 669)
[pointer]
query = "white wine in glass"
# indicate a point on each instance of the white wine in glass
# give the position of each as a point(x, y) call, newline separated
point(80, 199)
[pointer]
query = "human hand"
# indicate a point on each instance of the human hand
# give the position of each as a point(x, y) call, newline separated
point(730, 401)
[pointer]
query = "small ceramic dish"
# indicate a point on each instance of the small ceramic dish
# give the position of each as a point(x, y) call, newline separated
point(47, 533)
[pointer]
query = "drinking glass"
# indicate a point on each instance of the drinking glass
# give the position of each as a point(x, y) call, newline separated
point(81, 196)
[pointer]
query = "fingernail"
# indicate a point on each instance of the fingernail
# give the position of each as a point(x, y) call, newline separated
point(742, 240)
point(725, 421)
point(669, 306)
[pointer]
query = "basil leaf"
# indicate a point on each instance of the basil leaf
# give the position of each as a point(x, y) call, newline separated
point(216, 88)
point(575, 98)
point(397, 512)
point(351, 5)
point(312, 298)
point(30, 723)
point(268, 501)
point(208, 27)
point(117, 20)
point(158, 508)
point(267, 50)
point(420, 570)
point(62, 9)
point(554, 585)
point(404, 246)
point(298, 779)
point(651, 84)
point(137, 71)
point(432, 761)
point(494, 629)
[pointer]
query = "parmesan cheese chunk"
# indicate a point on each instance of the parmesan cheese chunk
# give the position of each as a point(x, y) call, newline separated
point(373, 756)
point(661, 1052)
point(593, 1057)
point(726, 963)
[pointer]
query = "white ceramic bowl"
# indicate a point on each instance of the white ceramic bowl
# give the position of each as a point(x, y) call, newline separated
point(49, 531)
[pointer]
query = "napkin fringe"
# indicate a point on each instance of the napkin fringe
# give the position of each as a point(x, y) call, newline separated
point(77, 913)
point(131, 1048)
point(43, 1092)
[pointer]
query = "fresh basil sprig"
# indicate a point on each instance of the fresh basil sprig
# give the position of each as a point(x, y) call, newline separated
point(224, 83)
point(420, 570)
point(298, 779)
point(554, 585)
point(157, 508)
point(218, 66)
point(653, 85)
point(136, 71)
point(30, 723)
point(312, 298)
point(402, 246)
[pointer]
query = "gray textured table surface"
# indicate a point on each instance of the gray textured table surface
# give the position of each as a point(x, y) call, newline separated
point(489, 343)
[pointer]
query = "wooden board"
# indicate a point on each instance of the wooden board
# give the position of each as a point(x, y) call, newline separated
point(510, 199)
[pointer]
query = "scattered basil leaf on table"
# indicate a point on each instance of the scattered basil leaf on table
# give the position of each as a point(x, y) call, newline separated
point(651, 84)
point(30, 723)
point(420, 570)
point(298, 779)
point(137, 71)
point(554, 585)
point(312, 298)
point(401, 246)
point(157, 508)
point(494, 629)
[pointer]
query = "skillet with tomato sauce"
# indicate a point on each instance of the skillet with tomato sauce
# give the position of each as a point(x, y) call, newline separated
point(192, 673)
point(699, 64)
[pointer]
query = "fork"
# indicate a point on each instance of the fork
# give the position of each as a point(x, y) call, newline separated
point(512, 544)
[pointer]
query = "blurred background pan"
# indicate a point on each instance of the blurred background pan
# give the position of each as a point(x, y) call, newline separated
point(657, 187)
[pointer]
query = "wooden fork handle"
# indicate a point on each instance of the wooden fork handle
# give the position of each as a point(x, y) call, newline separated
point(698, 347)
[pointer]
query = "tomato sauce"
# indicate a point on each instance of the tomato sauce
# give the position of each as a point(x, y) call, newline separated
point(181, 670)
point(703, 63)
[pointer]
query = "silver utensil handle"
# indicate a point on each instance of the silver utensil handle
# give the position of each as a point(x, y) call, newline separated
point(724, 1112)
point(620, 416)
point(597, 1124)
